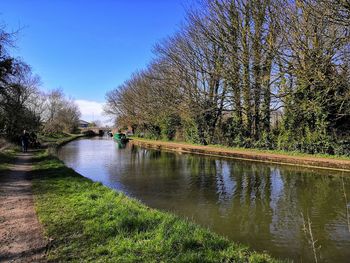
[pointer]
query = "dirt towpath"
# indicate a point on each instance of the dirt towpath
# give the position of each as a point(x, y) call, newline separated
point(21, 235)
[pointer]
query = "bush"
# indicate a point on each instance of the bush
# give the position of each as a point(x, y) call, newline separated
point(169, 126)
point(190, 131)
point(342, 147)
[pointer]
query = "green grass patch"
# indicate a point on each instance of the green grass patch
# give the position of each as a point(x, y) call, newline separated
point(6, 158)
point(52, 137)
point(57, 138)
point(88, 222)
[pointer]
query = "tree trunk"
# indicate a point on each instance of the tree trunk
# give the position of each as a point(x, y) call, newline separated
point(246, 72)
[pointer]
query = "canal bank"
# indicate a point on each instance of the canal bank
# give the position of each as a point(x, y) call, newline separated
point(58, 141)
point(86, 221)
point(247, 154)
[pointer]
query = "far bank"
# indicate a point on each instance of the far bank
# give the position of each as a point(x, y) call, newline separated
point(305, 160)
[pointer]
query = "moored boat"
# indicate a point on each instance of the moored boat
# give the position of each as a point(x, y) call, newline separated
point(121, 137)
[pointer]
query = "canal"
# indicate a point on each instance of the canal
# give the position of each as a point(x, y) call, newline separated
point(273, 208)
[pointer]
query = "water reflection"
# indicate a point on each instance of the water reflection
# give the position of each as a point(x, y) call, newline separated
point(257, 204)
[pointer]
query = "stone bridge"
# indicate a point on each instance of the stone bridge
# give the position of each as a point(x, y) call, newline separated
point(99, 130)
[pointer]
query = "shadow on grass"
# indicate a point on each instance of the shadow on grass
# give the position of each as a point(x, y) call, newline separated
point(48, 167)
point(23, 256)
point(6, 159)
point(41, 157)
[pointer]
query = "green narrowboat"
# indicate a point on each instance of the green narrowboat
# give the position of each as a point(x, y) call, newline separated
point(120, 137)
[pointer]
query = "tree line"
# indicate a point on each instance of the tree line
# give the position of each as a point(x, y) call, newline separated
point(270, 74)
point(23, 105)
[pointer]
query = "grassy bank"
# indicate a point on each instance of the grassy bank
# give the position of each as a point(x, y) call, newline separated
point(254, 150)
point(6, 158)
point(56, 140)
point(278, 157)
point(89, 222)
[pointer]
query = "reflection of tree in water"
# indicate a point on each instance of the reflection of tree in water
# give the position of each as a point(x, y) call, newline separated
point(250, 207)
point(241, 194)
point(154, 154)
point(262, 204)
point(121, 145)
point(316, 195)
point(224, 182)
point(202, 173)
point(155, 176)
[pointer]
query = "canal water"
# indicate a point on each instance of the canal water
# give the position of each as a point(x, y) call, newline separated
point(273, 208)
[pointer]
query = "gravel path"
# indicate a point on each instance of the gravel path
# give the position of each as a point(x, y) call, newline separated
point(21, 235)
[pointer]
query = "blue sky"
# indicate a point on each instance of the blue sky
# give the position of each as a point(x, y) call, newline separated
point(87, 47)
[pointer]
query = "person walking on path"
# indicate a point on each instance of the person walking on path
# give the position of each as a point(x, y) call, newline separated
point(25, 141)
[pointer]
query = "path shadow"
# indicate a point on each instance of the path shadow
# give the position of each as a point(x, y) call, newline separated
point(31, 255)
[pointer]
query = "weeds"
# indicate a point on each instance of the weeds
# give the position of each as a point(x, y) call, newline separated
point(307, 228)
point(346, 205)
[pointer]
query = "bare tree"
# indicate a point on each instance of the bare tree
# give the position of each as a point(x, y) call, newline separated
point(61, 114)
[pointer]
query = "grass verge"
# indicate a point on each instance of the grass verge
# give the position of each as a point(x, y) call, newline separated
point(87, 221)
point(6, 158)
point(55, 140)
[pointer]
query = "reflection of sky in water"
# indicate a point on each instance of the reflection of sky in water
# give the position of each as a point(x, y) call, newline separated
point(254, 203)
point(225, 184)
point(284, 220)
point(276, 194)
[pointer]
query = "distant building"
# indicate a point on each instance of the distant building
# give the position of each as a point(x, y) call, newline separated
point(83, 124)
